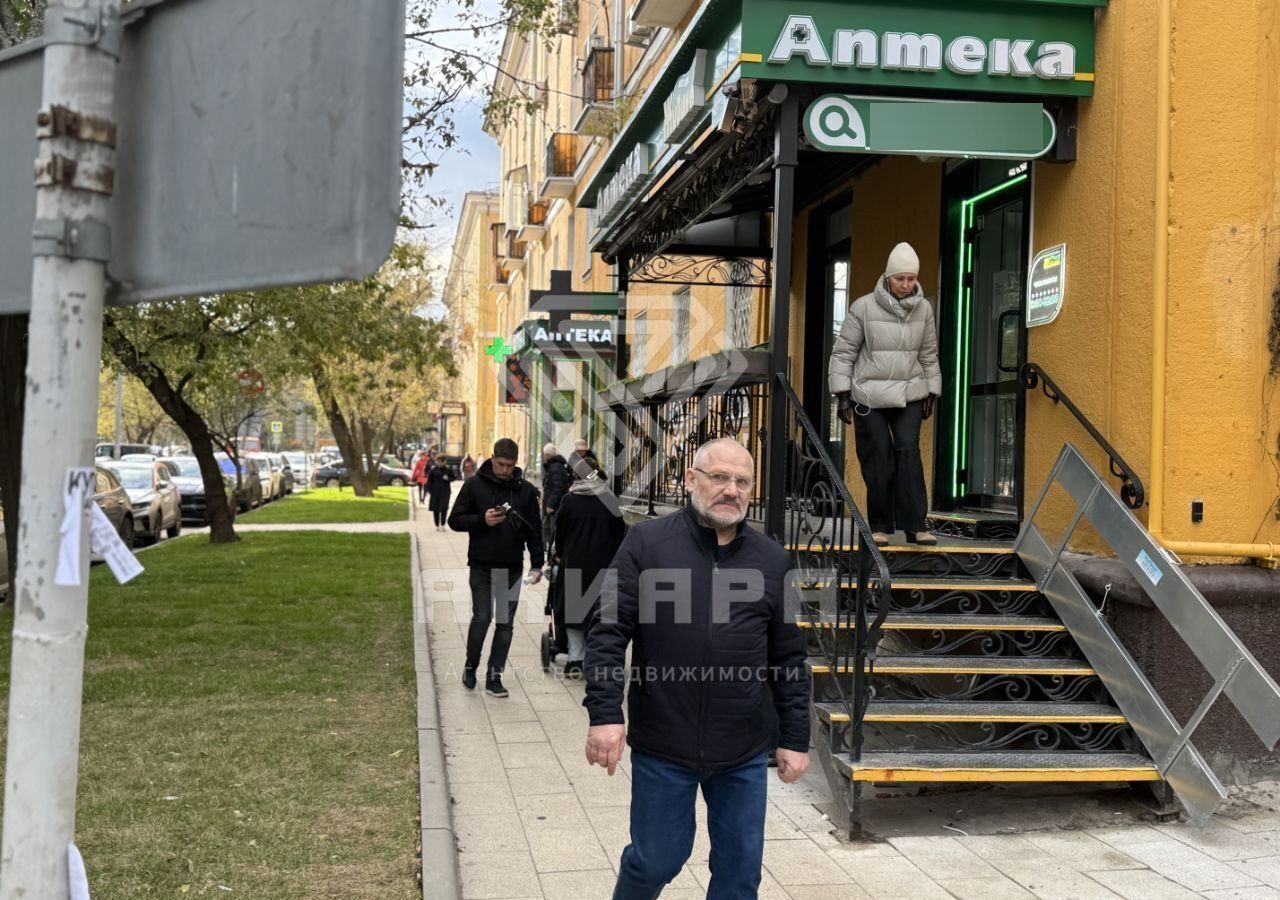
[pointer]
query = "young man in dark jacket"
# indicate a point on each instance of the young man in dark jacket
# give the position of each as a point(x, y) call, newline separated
point(499, 510)
point(700, 597)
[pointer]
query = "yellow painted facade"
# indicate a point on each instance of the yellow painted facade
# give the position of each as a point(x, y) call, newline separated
point(473, 314)
point(1222, 432)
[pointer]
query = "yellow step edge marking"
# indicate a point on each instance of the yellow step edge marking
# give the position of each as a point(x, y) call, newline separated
point(907, 548)
point(1134, 773)
point(906, 584)
point(1047, 719)
point(945, 626)
point(881, 669)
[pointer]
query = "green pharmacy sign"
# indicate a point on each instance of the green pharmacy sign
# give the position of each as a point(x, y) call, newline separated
point(961, 128)
point(1009, 47)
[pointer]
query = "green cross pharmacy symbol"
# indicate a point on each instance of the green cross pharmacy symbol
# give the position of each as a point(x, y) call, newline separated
point(497, 349)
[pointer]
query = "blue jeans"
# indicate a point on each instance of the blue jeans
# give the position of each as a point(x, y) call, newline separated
point(662, 827)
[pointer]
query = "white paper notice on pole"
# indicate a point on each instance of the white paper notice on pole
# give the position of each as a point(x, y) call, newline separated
point(76, 498)
point(105, 542)
point(77, 878)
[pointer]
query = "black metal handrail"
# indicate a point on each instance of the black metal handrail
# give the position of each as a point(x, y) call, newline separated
point(818, 508)
point(1131, 490)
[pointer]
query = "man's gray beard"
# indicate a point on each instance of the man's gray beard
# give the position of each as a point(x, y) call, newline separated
point(715, 520)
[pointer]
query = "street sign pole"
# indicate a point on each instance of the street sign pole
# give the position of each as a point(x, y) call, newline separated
point(74, 166)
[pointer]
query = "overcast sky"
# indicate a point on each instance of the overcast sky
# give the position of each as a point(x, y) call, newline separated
point(472, 165)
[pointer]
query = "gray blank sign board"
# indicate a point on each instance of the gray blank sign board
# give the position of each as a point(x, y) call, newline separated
point(259, 146)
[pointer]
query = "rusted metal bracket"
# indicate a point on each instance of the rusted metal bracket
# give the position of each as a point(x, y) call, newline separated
point(57, 170)
point(59, 121)
point(85, 239)
point(98, 28)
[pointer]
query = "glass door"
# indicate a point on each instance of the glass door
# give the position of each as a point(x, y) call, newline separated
point(831, 229)
point(984, 341)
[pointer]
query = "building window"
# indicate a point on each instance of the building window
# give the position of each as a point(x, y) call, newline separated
point(680, 327)
point(737, 306)
point(639, 343)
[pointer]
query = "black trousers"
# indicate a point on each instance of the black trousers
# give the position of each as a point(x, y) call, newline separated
point(422, 492)
point(440, 515)
point(492, 589)
point(888, 444)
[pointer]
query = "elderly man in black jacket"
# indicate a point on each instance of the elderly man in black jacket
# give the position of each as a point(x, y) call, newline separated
point(700, 597)
point(499, 510)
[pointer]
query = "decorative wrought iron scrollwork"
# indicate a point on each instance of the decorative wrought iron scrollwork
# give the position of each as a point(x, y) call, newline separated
point(973, 602)
point(973, 531)
point(995, 688)
point(954, 563)
point(671, 213)
point(990, 737)
point(711, 270)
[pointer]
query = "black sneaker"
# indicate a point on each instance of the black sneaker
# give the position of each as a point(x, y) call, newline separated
point(573, 669)
point(493, 687)
point(469, 678)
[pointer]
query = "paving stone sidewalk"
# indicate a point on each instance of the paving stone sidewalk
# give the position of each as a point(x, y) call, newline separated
point(532, 820)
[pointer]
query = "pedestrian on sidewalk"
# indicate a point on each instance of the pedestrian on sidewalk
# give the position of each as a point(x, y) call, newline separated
point(555, 484)
point(699, 596)
point(588, 533)
point(885, 377)
point(468, 467)
point(418, 474)
point(439, 486)
point(498, 510)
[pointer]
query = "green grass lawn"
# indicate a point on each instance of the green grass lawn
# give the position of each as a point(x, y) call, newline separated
point(249, 721)
point(323, 505)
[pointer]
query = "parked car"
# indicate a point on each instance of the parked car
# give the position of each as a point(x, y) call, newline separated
point(248, 492)
point(108, 451)
point(302, 465)
point(115, 503)
point(272, 475)
point(337, 475)
point(157, 503)
point(190, 484)
point(286, 471)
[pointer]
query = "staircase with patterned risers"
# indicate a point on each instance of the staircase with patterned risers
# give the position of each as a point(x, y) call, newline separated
point(974, 680)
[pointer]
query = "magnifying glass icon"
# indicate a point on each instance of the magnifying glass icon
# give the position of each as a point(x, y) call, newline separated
point(834, 121)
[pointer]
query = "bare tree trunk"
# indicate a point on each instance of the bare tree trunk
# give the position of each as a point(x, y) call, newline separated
point(221, 522)
point(342, 435)
point(13, 392)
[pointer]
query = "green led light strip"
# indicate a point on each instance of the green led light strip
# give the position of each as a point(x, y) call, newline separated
point(964, 303)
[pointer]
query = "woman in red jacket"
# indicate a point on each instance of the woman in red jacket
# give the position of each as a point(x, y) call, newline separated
point(419, 475)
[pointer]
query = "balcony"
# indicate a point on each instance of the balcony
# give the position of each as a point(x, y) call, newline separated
point(597, 116)
point(513, 250)
point(661, 13)
point(564, 152)
point(499, 273)
point(535, 222)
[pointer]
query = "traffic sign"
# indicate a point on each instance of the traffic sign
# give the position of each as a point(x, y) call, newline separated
point(277, 427)
point(842, 123)
point(251, 382)
point(258, 146)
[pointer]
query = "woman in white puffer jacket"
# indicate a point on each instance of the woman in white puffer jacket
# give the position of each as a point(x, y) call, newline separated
point(884, 373)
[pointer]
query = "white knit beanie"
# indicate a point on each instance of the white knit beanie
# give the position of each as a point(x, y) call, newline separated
point(903, 261)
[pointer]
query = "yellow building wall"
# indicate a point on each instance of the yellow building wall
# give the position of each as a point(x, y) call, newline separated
point(1222, 409)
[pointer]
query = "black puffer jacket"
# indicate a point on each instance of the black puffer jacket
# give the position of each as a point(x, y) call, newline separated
point(555, 482)
point(499, 546)
point(697, 691)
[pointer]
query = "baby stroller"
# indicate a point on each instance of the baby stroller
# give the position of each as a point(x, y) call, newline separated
point(554, 642)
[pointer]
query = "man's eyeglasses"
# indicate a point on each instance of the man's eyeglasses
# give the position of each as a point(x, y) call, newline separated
point(721, 480)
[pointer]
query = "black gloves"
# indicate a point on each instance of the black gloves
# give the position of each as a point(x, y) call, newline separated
point(844, 407)
point(928, 405)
